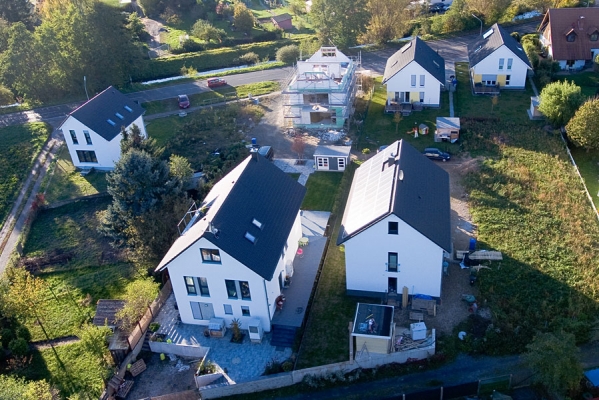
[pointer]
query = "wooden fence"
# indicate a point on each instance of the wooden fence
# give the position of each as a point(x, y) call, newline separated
point(153, 309)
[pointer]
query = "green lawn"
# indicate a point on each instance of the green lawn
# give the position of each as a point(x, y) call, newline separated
point(64, 182)
point(588, 82)
point(71, 369)
point(19, 147)
point(588, 165)
point(511, 104)
point(322, 188)
point(380, 128)
point(95, 269)
point(528, 203)
point(221, 94)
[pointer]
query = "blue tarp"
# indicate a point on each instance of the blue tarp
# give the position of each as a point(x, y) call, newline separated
point(593, 376)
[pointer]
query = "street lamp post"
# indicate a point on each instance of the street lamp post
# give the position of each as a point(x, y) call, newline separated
point(481, 24)
point(85, 86)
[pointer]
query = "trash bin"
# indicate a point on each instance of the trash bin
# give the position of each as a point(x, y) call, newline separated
point(472, 244)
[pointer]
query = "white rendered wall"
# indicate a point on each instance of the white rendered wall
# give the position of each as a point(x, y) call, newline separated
point(490, 66)
point(402, 82)
point(420, 260)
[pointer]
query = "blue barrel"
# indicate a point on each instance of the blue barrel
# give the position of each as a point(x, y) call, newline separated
point(254, 141)
point(472, 244)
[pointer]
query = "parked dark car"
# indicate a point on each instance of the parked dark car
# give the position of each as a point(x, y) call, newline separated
point(266, 151)
point(436, 154)
point(183, 101)
point(216, 82)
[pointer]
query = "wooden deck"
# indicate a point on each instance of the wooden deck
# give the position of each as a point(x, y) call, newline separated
point(484, 89)
point(404, 108)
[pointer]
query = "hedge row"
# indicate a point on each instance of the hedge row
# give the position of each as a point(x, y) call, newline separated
point(206, 60)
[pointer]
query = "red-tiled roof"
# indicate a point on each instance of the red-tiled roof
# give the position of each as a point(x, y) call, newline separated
point(558, 23)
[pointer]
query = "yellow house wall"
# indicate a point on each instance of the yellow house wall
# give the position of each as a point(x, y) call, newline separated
point(414, 97)
point(501, 80)
point(477, 78)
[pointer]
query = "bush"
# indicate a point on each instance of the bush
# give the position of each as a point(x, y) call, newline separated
point(249, 58)
point(154, 326)
point(288, 54)
point(188, 46)
point(19, 347)
point(366, 151)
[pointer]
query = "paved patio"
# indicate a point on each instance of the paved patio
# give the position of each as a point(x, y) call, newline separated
point(297, 295)
point(288, 165)
point(246, 361)
point(242, 361)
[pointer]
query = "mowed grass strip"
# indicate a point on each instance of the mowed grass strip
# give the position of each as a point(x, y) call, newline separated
point(64, 182)
point(19, 147)
point(206, 98)
point(528, 203)
point(322, 188)
point(326, 337)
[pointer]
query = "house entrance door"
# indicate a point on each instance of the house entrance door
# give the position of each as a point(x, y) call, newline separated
point(392, 285)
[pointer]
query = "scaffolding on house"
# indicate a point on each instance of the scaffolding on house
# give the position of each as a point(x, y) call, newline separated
point(317, 90)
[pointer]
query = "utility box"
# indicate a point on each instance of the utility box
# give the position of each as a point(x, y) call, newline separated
point(255, 330)
point(418, 331)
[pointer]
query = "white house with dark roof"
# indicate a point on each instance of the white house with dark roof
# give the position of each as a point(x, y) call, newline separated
point(396, 224)
point(497, 61)
point(415, 74)
point(93, 131)
point(234, 257)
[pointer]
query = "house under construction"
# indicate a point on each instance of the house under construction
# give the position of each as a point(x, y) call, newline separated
point(320, 91)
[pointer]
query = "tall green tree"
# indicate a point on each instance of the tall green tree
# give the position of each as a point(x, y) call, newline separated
point(489, 11)
point(17, 11)
point(339, 22)
point(244, 19)
point(206, 31)
point(583, 127)
point(388, 20)
point(559, 101)
point(553, 357)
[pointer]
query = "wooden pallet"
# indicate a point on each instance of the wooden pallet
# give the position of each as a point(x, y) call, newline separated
point(430, 306)
point(137, 368)
point(416, 316)
point(124, 389)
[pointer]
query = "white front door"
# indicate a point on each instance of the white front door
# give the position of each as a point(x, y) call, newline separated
point(322, 162)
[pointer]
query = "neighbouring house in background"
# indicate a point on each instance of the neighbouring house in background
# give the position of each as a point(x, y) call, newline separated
point(321, 91)
point(571, 36)
point(235, 254)
point(448, 129)
point(331, 158)
point(283, 21)
point(396, 225)
point(93, 131)
point(414, 75)
point(497, 61)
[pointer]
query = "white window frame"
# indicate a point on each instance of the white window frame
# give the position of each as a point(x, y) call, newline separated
point(322, 162)
point(510, 61)
point(501, 62)
point(507, 80)
point(413, 81)
point(422, 80)
point(341, 162)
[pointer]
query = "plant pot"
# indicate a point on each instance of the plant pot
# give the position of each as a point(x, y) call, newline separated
point(240, 340)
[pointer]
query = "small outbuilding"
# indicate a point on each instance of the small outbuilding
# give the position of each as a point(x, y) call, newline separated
point(533, 111)
point(373, 329)
point(283, 21)
point(106, 311)
point(331, 158)
point(448, 129)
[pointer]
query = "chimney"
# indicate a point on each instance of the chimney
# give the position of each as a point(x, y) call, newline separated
point(391, 160)
point(254, 153)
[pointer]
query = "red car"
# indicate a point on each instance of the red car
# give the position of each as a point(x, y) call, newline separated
point(216, 82)
point(183, 101)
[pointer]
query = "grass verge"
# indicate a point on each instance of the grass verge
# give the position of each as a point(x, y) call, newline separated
point(588, 162)
point(19, 148)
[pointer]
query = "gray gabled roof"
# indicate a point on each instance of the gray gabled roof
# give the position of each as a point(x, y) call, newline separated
point(492, 39)
point(256, 189)
point(401, 181)
point(332, 151)
point(418, 51)
point(281, 17)
point(97, 111)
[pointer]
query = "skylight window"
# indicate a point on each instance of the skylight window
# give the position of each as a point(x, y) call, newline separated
point(257, 223)
point(406, 47)
point(111, 122)
point(128, 109)
point(119, 116)
point(250, 237)
point(436, 64)
point(488, 33)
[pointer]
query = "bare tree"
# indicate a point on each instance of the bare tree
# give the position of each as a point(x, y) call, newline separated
point(299, 146)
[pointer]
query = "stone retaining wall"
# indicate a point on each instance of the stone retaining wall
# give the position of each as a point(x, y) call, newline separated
point(181, 350)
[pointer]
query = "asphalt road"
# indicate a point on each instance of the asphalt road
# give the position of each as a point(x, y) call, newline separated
point(452, 49)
